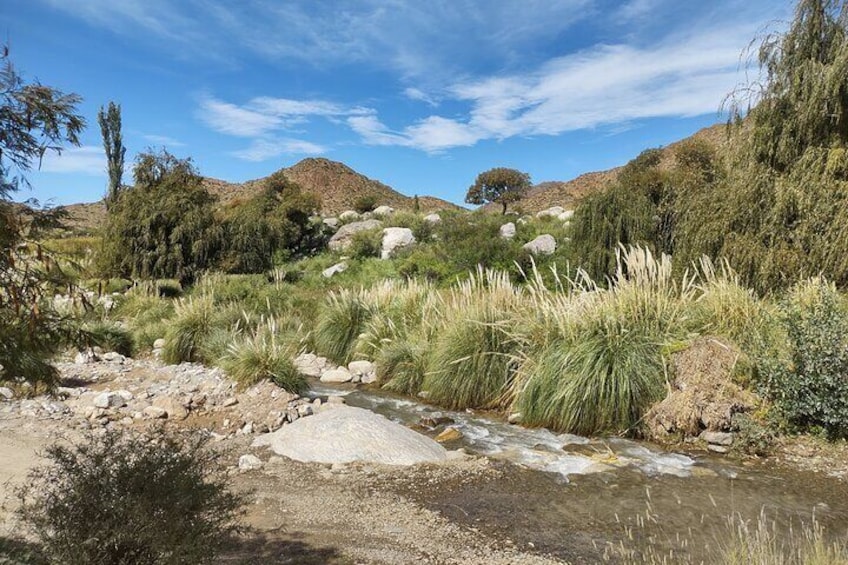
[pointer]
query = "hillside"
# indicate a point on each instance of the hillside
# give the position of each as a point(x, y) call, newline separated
point(568, 193)
point(337, 185)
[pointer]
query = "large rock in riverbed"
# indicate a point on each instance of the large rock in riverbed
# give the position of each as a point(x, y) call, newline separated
point(344, 434)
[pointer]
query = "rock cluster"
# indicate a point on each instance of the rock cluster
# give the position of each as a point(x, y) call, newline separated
point(312, 365)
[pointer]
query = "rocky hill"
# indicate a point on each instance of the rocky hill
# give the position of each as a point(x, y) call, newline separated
point(337, 185)
point(567, 194)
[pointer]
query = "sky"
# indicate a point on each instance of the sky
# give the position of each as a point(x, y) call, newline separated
point(421, 95)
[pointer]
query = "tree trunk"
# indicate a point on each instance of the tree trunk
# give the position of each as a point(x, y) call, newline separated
point(503, 212)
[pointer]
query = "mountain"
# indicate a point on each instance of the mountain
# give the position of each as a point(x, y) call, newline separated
point(338, 186)
point(568, 193)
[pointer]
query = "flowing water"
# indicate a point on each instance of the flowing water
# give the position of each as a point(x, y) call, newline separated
point(578, 498)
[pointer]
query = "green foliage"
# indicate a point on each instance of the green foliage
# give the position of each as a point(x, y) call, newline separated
point(500, 185)
point(164, 226)
point(109, 336)
point(366, 243)
point(365, 203)
point(402, 367)
point(130, 499)
point(275, 223)
point(194, 319)
point(34, 119)
point(113, 144)
point(812, 391)
point(342, 320)
point(264, 354)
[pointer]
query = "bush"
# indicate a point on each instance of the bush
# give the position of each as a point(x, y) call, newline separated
point(110, 337)
point(343, 319)
point(365, 203)
point(193, 322)
point(264, 354)
point(402, 367)
point(366, 243)
point(812, 391)
point(130, 499)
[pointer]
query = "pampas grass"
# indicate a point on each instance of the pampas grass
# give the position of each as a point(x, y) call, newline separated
point(264, 354)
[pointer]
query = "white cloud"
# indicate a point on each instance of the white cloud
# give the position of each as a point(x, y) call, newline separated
point(228, 118)
point(264, 149)
point(636, 9)
point(603, 86)
point(163, 140)
point(420, 96)
point(87, 160)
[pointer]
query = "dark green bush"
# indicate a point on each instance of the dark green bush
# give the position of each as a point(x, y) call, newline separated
point(367, 243)
point(811, 393)
point(365, 203)
point(109, 336)
point(126, 498)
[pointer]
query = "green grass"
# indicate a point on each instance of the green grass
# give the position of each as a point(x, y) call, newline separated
point(109, 336)
point(343, 319)
point(194, 319)
point(264, 354)
point(402, 367)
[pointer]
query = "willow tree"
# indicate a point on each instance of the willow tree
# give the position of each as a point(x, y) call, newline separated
point(34, 120)
point(164, 226)
point(782, 211)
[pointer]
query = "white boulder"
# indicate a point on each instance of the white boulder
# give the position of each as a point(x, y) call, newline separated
point(433, 218)
point(545, 244)
point(331, 222)
point(395, 239)
point(508, 230)
point(342, 239)
point(334, 270)
point(310, 364)
point(339, 375)
point(108, 400)
point(552, 212)
point(249, 463)
point(566, 216)
point(365, 371)
point(346, 434)
point(6, 393)
point(383, 211)
point(349, 216)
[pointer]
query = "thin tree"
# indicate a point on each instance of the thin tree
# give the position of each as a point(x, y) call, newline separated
point(113, 144)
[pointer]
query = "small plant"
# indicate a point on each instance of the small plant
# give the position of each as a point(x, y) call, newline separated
point(264, 355)
point(131, 499)
point(365, 203)
point(109, 336)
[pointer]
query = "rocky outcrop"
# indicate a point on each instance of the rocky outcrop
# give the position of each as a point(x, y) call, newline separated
point(395, 239)
point(507, 230)
point(345, 434)
point(545, 244)
point(342, 239)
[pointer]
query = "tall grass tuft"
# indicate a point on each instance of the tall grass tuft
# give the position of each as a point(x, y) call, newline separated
point(109, 336)
point(264, 354)
point(605, 365)
point(193, 321)
point(342, 321)
point(402, 367)
point(473, 358)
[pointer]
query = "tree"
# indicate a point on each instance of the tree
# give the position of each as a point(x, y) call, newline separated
point(277, 221)
point(34, 120)
point(500, 185)
point(113, 144)
point(164, 226)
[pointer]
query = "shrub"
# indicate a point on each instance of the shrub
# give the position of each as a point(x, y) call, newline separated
point(193, 321)
point(109, 336)
point(366, 243)
point(812, 391)
point(130, 499)
point(365, 203)
point(263, 354)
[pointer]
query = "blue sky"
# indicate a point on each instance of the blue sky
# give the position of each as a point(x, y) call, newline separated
point(422, 95)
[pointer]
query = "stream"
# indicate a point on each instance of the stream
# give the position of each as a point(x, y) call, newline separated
point(584, 499)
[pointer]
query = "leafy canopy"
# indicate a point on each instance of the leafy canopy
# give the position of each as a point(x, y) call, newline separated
point(500, 185)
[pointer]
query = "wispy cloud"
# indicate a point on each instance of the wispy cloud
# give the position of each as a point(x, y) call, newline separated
point(419, 95)
point(87, 160)
point(264, 149)
point(163, 140)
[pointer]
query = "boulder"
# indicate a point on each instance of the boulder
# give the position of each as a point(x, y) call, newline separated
point(508, 230)
point(159, 343)
point(566, 216)
point(6, 393)
point(108, 400)
point(362, 369)
point(331, 222)
point(346, 434)
point(433, 218)
point(340, 375)
point(154, 412)
point(717, 438)
point(310, 364)
point(85, 357)
point(383, 211)
point(449, 434)
point(349, 216)
point(552, 212)
point(335, 269)
point(173, 407)
point(545, 244)
point(249, 463)
point(342, 239)
point(394, 239)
